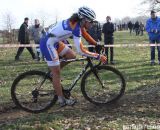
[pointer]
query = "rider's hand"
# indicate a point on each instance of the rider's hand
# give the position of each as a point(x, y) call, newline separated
point(103, 59)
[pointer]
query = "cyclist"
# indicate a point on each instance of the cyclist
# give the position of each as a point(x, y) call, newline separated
point(52, 46)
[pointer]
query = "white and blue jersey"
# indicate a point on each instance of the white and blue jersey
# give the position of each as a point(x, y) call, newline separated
point(51, 45)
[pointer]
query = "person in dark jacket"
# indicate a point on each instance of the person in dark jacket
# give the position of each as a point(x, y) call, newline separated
point(137, 28)
point(95, 32)
point(23, 38)
point(108, 30)
point(130, 26)
point(153, 30)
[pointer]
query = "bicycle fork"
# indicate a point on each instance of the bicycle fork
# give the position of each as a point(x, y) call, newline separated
point(95, 72)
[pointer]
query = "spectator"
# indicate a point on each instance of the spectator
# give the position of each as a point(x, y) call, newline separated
point(37, 31)
point(153, 29)
point(95, 33)
point(130, 26)
point(23, 38)
point(137, 28)
point(141, 28)
point(108, 29)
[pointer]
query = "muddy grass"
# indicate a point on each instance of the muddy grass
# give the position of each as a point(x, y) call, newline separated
point(141, 106)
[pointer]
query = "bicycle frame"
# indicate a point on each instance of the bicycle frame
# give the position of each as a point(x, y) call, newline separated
point(89, 64)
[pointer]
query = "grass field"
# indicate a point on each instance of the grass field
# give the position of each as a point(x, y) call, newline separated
point(140, 105)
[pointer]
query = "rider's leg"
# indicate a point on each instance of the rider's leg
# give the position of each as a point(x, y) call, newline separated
point(55, 69)
point(52, 59)
point(69, 55)
point(56, 79)
point(65, 52)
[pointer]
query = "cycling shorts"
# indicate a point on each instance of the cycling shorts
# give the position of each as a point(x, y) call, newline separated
point(52, 51)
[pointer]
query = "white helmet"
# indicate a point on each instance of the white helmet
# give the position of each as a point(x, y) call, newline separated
point(85, 12)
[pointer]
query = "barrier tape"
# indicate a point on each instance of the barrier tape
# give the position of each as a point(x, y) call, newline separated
point(115, 45)
point(17, 45)
point(128, 45)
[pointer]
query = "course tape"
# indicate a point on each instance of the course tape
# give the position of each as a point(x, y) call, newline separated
point(115, 45)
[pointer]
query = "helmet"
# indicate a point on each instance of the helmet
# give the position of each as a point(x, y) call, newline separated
point(87, 13)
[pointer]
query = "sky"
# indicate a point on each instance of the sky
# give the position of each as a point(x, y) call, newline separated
point(49, 10)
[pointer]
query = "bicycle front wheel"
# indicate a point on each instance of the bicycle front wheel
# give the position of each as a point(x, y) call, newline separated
point(103, 86)
point(33, 91)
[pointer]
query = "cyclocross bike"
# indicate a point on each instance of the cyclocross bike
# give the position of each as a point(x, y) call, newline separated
point(33, 90)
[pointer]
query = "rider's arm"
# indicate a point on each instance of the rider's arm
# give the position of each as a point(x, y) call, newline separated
point(82, 50)
point(88, 37)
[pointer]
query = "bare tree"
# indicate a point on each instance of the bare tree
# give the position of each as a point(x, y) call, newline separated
point(8, 21)
point(153, 4)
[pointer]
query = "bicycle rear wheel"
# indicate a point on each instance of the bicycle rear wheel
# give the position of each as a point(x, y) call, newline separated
point(108, 89)
point(33, 91)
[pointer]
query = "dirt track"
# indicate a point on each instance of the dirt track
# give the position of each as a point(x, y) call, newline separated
point(143, 102)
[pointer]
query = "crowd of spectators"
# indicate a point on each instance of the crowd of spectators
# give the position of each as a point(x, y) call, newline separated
point(36, 31)
point(137, 27)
